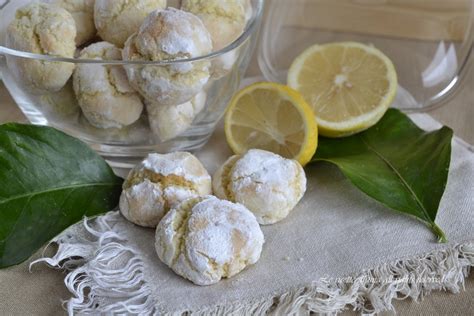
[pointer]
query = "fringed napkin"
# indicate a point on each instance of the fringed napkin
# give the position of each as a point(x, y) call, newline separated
point(339, 249)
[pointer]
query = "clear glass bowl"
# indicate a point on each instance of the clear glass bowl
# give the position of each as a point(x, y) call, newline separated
point(123, 147)
point(429, 41)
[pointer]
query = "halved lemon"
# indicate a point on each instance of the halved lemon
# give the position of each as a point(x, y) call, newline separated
point(272, 117)
point(349, 85)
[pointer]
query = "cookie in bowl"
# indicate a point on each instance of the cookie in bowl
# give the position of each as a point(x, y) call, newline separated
point(106, 98)
point(46, 29)
point(83, 13)
point(116, 20)
point(169, 35)
point(170, 121)
point(225, 21)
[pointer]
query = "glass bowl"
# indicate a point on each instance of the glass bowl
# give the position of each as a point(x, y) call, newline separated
point(184, 128)
point(429, 41)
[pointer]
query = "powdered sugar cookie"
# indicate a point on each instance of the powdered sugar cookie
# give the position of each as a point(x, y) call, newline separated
point(159, 183)
point(83, 13)
point(116, 20)
point(168, 35)
point(106, 98)
point(226, 21)
point(267, 184)
point(42, 28)
point(206, 239)
point(170, 121)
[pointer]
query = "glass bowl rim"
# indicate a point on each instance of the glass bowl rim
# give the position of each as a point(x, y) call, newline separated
point(250, 29)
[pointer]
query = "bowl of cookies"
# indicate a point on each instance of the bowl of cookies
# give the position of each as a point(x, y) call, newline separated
point(128, 77)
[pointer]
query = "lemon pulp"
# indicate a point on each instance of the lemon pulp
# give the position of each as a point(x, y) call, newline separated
point(272, 117)
point(348, 85)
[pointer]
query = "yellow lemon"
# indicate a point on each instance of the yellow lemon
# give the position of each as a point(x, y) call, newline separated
point(348, 85)
point(272, 117)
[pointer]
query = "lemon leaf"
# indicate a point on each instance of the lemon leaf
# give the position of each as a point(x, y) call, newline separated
point(49, 181)
point(397, 164)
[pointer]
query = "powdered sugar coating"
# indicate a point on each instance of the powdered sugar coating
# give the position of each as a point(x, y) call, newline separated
point(116, 20)
point(143, 204)
point(103, 92)
point(161, 182)
point(225, 20)
point(169, 35)
point(207, 239)
point(83, 13)
point(178, 35)
point(41, 28)
point(170, 121)
point(268, 184)
point(180, 164)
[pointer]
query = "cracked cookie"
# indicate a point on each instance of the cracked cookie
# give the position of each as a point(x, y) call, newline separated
point(83, 13)
point(159, 183)
point(267, 184)
point(170, 121)
point(106, 98)
point(168, 35)
point(116, 20)
point(225, 21)
point(42, 28)
point(205, 239)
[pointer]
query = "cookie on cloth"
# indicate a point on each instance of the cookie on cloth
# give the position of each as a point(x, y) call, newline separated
point(206, 239)
point(267, 184)
point(159, 183)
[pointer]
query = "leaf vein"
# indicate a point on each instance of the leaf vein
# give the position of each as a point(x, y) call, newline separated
point(399, 175)
point(30, 194)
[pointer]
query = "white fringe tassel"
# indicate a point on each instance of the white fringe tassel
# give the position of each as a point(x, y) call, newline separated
point(107, 277)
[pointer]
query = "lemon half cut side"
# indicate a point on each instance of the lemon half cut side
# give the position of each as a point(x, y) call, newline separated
point(348, 85)
point(272, 117)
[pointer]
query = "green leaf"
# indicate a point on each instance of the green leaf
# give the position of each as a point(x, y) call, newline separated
point(397, 164)
point(48, 181)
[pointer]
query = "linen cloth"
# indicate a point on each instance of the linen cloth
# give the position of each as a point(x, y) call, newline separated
point(337, 247)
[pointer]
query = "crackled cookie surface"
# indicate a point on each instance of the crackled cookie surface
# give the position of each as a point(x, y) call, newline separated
point(225, 20)
point(161, 182)
point(116, 20)
point(170, 121)
point(103, 92)
point(83, 13)
point(206, 239)
point(42, 29)
point(168, 35)
point(267, 184)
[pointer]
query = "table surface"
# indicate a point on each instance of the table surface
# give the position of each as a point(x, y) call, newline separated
point(41, 292)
